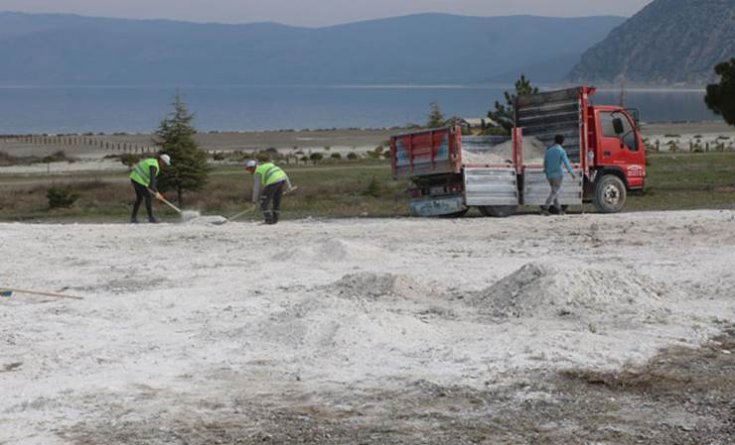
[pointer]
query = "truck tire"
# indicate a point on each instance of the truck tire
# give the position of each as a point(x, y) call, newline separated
point(609, 195)
point(498, 211)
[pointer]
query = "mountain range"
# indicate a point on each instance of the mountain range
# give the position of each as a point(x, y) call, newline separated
point(60, 49)
point(667, 42)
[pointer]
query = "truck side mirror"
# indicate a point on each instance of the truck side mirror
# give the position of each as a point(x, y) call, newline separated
point(618, 125)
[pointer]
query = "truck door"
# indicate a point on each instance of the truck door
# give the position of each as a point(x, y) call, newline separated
point(617, 147)
point(620, 146)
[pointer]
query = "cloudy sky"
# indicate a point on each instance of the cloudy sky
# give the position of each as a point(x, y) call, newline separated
point(318, 12)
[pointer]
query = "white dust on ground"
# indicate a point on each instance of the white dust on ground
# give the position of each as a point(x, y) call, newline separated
point(183, 316)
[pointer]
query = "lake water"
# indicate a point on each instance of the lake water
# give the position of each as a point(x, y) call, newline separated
point(137, 109)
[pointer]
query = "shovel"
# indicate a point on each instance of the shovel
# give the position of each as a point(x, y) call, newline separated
point(178, 210)
point(235, 216)
point(250, 209)
point(186, 214)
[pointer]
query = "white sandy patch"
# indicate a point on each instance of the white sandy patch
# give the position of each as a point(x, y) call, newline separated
point(174, 313)
point(502, 153)
point(107, 165)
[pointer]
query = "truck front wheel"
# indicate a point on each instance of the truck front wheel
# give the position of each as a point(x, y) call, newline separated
point(498, 211)
point(609, 195)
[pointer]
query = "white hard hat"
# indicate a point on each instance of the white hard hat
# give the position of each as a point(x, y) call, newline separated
point(166, 159)
point(252, 163)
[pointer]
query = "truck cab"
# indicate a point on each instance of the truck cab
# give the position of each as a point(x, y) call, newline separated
point(617, 150)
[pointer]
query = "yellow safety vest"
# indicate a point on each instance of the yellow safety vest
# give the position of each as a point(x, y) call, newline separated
point(142, 172)
point(270, 174)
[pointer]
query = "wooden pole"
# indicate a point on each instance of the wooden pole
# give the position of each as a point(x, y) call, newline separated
point(45, 294)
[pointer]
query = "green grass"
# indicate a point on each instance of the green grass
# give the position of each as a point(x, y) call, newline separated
point(341, 189)
point(687, 181)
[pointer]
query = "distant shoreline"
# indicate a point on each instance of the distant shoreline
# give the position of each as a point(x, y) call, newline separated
point(94, 146)
point(638, 88)
point(295, 132)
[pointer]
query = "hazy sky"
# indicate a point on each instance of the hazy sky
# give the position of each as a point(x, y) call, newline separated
point(318, 12)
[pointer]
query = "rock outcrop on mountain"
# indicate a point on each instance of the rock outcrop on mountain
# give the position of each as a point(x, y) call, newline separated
point(669, 42)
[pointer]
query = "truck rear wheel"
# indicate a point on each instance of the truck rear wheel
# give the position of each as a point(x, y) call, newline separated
point(609, 195)
point(498, 211)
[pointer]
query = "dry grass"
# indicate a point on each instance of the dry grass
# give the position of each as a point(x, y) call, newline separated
point(330, 190)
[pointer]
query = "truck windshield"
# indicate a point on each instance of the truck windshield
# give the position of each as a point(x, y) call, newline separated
point(608, 129)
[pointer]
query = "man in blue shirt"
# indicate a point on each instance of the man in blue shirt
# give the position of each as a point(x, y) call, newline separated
point(553, 159)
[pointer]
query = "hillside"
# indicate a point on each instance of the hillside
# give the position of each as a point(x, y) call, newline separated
point(41, 49)
point(668, 42)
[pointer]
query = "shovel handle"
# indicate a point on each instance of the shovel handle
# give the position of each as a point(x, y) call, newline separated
point(178, 210)
point(248, 210)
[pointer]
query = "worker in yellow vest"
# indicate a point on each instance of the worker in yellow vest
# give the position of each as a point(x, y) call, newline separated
point(144, 181)
point(268, 184)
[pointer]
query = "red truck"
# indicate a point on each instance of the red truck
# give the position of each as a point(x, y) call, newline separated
point(452, 173)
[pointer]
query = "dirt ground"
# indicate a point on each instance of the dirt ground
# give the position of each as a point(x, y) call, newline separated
point(581, 329)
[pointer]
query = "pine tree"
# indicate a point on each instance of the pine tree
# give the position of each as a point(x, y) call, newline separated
point(436, 118)
point(505, 114)
point(188, 169)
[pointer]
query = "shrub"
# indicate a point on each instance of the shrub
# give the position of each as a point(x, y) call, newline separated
point(316, 157)
point(374, 188)
point(61, 197)
point(6, 159)
point(336, 156)
point(129, 159)
point(352, 156)
point(59, 156)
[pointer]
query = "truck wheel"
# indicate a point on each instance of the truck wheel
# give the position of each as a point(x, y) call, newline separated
point(609, 195)
point(498, 211)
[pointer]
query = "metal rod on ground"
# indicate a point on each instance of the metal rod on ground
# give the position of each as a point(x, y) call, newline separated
point(45, 294)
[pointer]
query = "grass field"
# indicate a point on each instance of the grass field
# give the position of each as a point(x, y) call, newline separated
point(344, 189)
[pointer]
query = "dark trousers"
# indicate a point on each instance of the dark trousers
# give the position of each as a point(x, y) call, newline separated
point(271, 194)
point(141, 193)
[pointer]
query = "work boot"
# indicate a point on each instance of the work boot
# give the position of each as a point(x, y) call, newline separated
point(152, 220)
point(268, 217)
point(276, 215)
point(133, 220)
point(544, 211)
